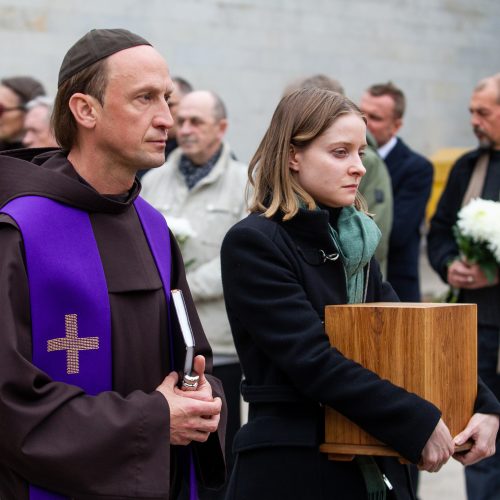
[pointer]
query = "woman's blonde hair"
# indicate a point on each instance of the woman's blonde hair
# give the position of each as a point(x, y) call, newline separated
point(300, 117)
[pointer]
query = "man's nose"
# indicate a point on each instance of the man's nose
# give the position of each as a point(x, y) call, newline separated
point(164, 118)
point(28, 139)
point(184, 127)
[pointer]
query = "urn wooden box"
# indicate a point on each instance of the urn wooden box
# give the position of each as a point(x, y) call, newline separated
point(427, 348)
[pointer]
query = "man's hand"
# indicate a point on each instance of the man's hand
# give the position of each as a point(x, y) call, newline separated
point(204, 389)
point(470, 276)
point(192, 417)
point(438, 449)
point(482, 430)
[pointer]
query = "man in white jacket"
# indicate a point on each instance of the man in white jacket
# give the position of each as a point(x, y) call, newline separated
point(201, 191)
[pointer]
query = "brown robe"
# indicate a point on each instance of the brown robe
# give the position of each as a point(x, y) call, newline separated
point(114, 445)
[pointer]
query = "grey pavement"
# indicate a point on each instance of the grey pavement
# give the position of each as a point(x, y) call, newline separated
point(447, 484)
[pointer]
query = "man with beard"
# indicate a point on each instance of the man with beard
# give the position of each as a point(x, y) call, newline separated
point(475, 174)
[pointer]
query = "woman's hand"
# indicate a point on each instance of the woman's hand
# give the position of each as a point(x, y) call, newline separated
point(438, 449)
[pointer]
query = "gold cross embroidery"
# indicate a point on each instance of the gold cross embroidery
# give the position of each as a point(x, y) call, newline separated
point(72, 344)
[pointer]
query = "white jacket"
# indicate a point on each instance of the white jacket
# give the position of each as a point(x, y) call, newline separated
point(214, 204)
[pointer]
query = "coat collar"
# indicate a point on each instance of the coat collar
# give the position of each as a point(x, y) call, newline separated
point(310, 228)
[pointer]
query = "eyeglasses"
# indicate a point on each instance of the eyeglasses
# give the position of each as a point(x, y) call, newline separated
point(3, 109)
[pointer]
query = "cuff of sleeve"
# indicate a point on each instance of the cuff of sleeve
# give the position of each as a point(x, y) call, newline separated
point(152, 446)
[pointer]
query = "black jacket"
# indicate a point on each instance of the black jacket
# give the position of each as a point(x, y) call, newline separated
point(411, 177)
point(277, 282)
point(441, 244)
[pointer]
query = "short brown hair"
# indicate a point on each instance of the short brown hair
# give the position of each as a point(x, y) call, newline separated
point(92, 81)
point(392, 91)
point(299, 119)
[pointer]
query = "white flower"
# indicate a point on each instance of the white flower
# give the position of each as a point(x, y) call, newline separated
point(480, 220)
point(181, 227)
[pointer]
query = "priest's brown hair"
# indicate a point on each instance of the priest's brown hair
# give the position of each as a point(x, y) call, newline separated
point(300, 117)
point(92, 81)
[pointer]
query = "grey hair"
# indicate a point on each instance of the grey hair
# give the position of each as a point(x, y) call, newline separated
point(495, 79)
point(220, 112)
point(44, 101)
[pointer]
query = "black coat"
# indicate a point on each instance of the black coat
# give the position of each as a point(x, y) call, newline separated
point(411, 176)
point(276, 285)
point(441, 244)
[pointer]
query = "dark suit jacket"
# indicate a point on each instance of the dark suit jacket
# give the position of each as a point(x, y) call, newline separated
point(411, 176)
point(441, 244)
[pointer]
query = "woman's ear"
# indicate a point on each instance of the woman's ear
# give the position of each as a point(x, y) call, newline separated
point(293, 161)
point(83, 107)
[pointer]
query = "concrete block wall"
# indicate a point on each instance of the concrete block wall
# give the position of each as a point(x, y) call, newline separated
point(249, 50)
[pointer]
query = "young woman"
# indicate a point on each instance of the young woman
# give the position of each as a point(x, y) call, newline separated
point(307, 243)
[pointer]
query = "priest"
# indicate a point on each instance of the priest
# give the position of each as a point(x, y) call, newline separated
point(90, 400)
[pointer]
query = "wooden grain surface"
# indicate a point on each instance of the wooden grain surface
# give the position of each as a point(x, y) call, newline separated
point(427, 348)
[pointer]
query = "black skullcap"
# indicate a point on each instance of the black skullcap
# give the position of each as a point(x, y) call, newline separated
point(25, 87)
point(94, 46)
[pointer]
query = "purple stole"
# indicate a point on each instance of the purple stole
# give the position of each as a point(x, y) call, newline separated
point(70, 311)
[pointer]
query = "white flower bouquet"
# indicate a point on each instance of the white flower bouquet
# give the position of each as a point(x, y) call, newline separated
point(477, 233)
point(182, 230)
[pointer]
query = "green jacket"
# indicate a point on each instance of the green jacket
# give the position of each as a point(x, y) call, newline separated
point(376, 188)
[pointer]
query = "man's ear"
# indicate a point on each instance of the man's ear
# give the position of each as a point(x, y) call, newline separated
point(398, 123)
point(83, 107)
point(293, 161)
point(222, 128)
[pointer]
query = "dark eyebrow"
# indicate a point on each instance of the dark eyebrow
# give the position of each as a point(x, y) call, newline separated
point(345, 143)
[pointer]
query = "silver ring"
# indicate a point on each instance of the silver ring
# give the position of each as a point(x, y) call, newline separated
point(190, 382)
point(470, 279)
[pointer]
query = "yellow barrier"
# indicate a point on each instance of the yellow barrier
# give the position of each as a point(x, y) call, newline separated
point(442, 160)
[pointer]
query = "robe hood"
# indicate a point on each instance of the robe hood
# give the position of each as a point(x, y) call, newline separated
point(47, 172)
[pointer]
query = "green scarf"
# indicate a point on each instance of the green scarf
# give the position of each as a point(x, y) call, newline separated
point(356, 239)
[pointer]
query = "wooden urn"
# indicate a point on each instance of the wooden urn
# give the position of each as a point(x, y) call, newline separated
point(427, 348)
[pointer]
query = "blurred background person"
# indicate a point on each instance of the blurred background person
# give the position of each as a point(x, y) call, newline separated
point(475, 175)
point(201, 191)
point(38, 130)
point(181, 88)
point(15, 93)
point(411, 176)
